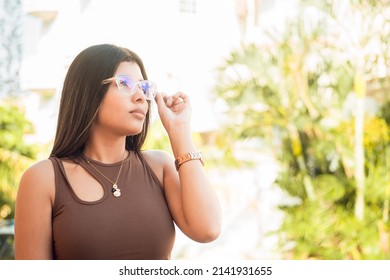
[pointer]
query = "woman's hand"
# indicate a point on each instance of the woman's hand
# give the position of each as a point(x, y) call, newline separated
point(174, 110)
point(191, 199)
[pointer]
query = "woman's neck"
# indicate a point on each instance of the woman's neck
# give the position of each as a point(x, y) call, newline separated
point(105, 151)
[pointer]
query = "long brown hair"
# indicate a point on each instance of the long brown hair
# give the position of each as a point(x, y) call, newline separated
point(82, 95)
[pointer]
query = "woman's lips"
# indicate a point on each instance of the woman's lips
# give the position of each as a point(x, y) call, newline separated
point(138, 113)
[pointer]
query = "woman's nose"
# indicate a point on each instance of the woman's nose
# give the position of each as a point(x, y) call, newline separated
point(139, 95)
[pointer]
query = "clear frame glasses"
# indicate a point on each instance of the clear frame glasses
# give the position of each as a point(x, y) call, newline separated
point(128, 85)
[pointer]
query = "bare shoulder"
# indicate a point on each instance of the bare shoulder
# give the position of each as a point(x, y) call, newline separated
point(39, 170)
point(159, 161)
point(39, 177)
point(157, 156)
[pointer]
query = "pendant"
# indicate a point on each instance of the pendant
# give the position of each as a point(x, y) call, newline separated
point(116, 191)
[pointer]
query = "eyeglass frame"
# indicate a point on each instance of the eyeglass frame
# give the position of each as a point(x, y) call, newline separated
point(136, 83)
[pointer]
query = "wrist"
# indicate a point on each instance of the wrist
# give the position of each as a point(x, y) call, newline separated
point(178, 130)
point(181, 141)
point(188, 157)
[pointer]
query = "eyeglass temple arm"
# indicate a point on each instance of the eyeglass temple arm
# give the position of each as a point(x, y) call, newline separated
point(107, 81)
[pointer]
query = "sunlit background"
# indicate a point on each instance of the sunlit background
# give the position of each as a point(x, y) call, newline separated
point(290, 108)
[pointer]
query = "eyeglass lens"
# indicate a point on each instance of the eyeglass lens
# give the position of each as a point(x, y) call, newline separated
point(128, 84)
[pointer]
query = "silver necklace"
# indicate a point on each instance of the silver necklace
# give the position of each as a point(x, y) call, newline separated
point(116, 191)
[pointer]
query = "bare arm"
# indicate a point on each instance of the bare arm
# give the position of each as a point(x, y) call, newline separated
point(192, 200)
point(33, 227)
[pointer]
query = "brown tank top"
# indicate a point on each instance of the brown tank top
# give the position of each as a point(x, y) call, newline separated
point(137, 225)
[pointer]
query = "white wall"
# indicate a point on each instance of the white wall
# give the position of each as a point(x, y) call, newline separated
point(180, 50)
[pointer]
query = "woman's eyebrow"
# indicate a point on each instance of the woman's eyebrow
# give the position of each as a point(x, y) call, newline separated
point(129, 76)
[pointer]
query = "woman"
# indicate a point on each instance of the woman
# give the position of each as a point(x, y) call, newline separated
point(99, 196)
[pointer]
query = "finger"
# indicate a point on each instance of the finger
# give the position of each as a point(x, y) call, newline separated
point(167, 101)
point(184, 97)
point(178, 108)
point(160, 99)
point(177, 101)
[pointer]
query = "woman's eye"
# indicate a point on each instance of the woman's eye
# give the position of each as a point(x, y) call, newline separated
point(126, 82)
point(122, 83)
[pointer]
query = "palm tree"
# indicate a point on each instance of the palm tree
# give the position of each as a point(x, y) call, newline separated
point(295, 94)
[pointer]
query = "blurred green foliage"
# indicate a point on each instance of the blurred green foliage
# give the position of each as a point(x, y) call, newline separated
point(158, 140)
point(15, 154)
point(297, 94)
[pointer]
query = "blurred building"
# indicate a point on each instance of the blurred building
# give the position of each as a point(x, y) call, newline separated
point(182, 42)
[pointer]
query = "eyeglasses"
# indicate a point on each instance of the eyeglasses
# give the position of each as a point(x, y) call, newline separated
point(129, 86)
